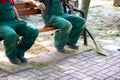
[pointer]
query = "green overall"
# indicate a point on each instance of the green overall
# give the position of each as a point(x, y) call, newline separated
point(10, 27)
point(70, 26)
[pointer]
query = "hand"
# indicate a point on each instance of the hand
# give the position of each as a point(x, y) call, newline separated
point(71, 5)
point(40, 6)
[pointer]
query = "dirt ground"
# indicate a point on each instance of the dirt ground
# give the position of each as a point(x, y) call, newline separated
point(103, 22)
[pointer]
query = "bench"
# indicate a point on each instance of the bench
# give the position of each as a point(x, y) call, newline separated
point(26, 9)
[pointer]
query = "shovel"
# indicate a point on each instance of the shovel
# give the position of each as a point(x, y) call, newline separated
point(98, 49)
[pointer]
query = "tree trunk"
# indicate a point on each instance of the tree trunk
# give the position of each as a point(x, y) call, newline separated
point(116, 3)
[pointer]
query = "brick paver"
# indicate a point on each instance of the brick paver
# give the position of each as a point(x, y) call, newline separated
point(85, 66)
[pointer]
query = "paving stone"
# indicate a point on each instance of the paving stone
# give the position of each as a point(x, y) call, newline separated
point(111, 73)
point(91, 72)
point(118, 73)
point(106, 66)
point(96, 68)
point(82, 62)
point(73, 60)
point(9, 78)
point(84, 70)
point(73, 79)
point(37, 72)
point(111, 62)
point(101, 64)
point(87, 78)
point(69, 71)
point(104, 71)
point(54, 75)
point(97, 77)
point(65, 77)
point(110, 78)
point(87, 65)
point(22, 74)
point(114, 68)
point(77, 67)
point(23, 79)
point(3, 74)
point(34, 79)
point(78, 75)
point(59, 73)
point(42, 77)
point(117, 65)
point(27, 77)
point(48, 71)
point(101, 75)
point(66, 62)
point(117, 77)
point(50, 78)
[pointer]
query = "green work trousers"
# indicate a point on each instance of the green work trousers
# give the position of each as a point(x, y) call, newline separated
point(70, 26)
point(70, 29)
point(9, 30)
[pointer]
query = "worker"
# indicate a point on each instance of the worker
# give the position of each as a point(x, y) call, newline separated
point(10, 26)
point(70, 26)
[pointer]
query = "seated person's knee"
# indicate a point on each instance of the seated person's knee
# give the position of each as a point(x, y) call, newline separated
point(68, 26)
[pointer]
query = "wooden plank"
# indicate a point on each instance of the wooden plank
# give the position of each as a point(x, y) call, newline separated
point(25, 9)
point(29, 12)
point(48, 28)
point(23, 5)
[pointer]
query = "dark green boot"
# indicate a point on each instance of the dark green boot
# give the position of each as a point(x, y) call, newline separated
point(72, 46)
point(15, 61)
point(61, 50)
point(23, 59)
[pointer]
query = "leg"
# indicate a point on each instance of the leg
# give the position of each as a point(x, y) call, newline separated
point(62, 34)
point(78, 26)
point(10, 42)
point(29, 34)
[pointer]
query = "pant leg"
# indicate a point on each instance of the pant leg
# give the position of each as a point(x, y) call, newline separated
point(62, 34)
point(78, 26)
point(29, 35)
point(10, 40)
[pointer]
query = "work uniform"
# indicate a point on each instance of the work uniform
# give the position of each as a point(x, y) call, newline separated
point(70, 26)
point(10, 27)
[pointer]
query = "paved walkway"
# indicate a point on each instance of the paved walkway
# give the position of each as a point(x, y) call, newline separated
point(85, 66)
point(81, 65)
